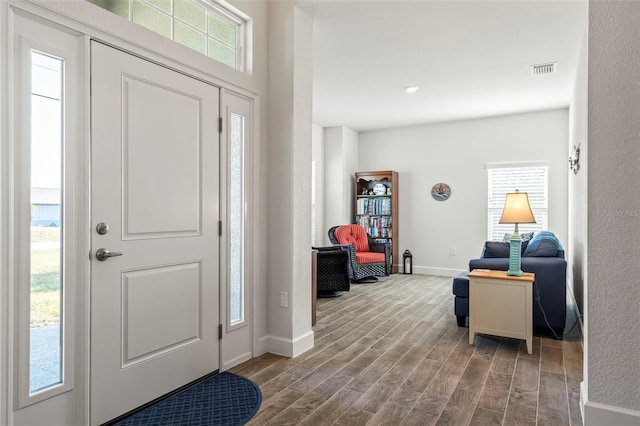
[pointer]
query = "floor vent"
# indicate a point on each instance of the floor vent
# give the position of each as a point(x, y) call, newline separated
point(543, 69)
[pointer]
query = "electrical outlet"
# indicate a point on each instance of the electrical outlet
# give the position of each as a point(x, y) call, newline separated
point(452, 251)
point(284, 299)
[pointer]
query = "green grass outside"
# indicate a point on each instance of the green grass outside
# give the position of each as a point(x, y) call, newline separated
point(45, 287)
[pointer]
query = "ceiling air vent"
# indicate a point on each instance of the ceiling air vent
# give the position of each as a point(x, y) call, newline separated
point(543, 69)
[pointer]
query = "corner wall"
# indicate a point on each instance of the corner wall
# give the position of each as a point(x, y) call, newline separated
point(612, 379)
point(457, 153)
point(576, 267)
point(341, 163)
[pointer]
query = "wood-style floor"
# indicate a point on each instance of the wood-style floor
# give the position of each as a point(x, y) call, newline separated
point(391, 353)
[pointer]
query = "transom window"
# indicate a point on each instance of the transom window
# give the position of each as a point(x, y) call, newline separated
point(207, 27)
point(503, 179)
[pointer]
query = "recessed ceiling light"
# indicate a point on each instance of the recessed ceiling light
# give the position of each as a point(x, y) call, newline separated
point(411, 89)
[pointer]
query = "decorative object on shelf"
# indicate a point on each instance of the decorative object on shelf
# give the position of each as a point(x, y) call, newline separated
point(574, 159)
point(376, 209)
point(440, 192)
point(516, 210)
point(379, 189)
point(407, 259)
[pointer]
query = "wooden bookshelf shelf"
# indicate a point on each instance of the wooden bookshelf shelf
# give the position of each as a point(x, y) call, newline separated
point(377, 207)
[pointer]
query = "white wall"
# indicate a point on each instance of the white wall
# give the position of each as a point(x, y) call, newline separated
point(341, 163)
point(317, 156)
point(457, 153)
point(289, 222)
point(612, 314)
point(576, 267)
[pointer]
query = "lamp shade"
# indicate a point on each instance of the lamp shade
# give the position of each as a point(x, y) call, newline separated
point(517, 209)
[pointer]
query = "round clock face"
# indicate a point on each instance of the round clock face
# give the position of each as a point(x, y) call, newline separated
point(379, 189)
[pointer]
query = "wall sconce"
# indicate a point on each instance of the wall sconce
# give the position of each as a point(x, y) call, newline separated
point(574, 159)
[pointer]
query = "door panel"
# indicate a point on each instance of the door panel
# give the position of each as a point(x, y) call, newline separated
point(155, 183)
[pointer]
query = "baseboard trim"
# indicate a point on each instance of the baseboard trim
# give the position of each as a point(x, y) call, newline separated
point(237, 360)
point(583, 399)
point(286, 347)
point(594, 413)
point(447, 272)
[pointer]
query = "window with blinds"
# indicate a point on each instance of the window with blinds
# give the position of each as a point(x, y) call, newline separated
point(530, 179)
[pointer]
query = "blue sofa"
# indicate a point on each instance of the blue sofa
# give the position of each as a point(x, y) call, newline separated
point(547, 264)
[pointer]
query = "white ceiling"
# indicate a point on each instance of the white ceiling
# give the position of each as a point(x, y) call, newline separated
point(470, 58)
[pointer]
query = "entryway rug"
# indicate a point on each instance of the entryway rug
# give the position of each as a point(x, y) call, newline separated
point(225, 399)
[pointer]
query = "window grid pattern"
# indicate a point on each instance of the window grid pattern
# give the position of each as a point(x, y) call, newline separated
point(530, 179)
point(203, 26)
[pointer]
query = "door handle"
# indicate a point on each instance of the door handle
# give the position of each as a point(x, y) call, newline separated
point(104, 254)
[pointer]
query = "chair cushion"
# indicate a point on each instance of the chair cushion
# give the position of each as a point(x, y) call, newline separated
point(369, 257)
point(354, 235)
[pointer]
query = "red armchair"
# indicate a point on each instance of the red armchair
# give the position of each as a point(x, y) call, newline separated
point(367, 258)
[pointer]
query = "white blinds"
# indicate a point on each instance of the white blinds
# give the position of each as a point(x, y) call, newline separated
point(533, 181)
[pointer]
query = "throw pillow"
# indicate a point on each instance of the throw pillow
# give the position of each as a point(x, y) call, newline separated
point(495, 249)
point(524, 237)
point(543, 244)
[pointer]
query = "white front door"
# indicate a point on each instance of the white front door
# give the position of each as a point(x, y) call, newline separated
point(155, 185)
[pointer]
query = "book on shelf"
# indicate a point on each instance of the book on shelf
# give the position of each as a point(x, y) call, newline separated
point(373, 205)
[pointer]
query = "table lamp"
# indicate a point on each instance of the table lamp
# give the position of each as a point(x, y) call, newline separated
point(516, 210)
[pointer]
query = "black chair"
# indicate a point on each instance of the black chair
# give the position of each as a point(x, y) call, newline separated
point(332, 271)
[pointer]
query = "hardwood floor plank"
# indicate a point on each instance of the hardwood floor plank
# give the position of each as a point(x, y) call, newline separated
point(495, 393)
point(333, 408)
point(276, 385)
point(526, 374)
point(462, 403)
point(504, 361)
point(420, 378)
point(390, 414)
point(482, 417)
point(553, 391)
point(535, 349)
point(319, 375)
point(551, 359)
point(353, 417)
point(575, 415)
point(391, 353)
point(521, 408)
point(419, 418)
point(551, 417)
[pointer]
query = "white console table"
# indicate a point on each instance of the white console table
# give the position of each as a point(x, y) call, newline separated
point(501, 305)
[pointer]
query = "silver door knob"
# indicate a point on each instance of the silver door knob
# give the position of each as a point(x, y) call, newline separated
point(103, 254)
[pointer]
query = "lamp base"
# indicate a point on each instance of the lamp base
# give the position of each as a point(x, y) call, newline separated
point(514, 256)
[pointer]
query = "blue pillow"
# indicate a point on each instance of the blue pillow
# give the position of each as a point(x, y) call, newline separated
point(543, 244)
point(524, 237)
point(496, 249)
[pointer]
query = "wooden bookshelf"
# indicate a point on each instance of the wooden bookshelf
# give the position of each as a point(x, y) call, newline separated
point(377, 208)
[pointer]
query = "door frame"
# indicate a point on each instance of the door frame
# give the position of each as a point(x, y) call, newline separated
point(102, 26)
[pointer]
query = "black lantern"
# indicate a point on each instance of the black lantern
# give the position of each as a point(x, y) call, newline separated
point(407, 259)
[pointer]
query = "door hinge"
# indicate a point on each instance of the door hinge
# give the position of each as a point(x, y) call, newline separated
point(219, 331)
point(220, 227)
point(219, 124)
